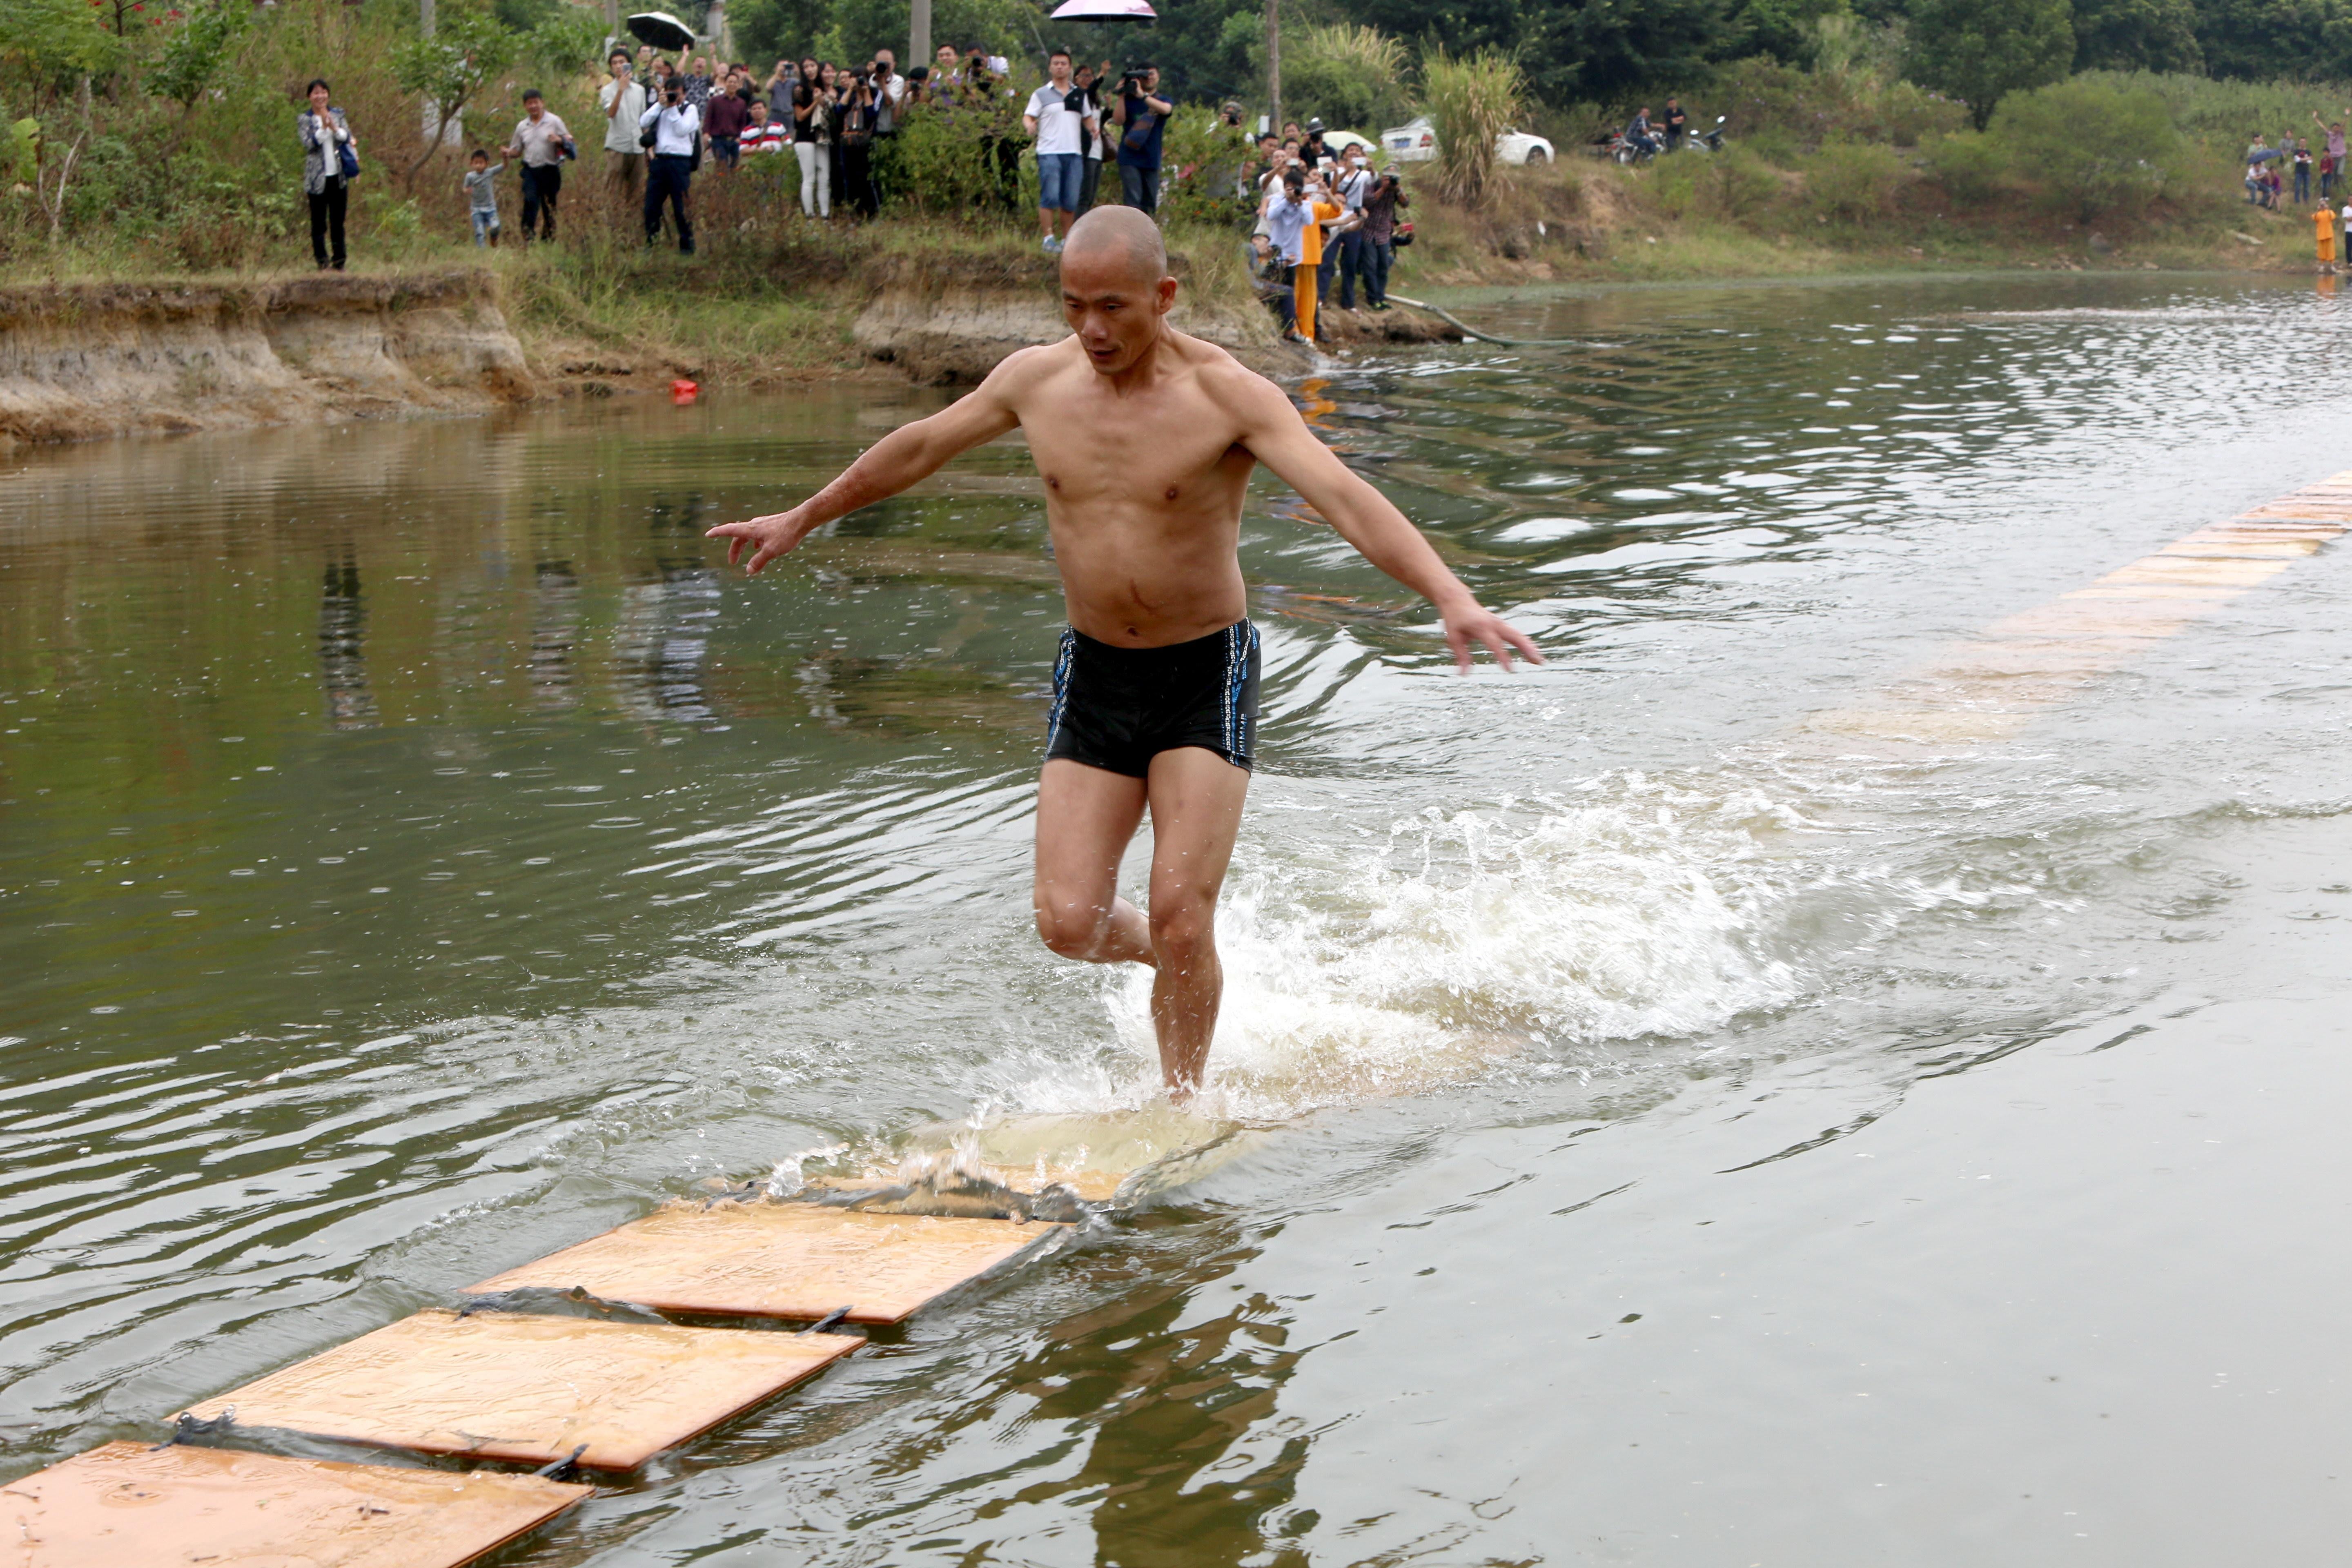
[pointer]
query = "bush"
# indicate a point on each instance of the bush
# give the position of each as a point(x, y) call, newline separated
point(1968, 163)
point(1854, 180)
point(1352, 78)
point(1736, 186)
point(1471, 102)
point(1200, 159)
point(2092, 145)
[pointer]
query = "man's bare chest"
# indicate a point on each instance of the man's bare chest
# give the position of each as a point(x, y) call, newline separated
point(1155, 464)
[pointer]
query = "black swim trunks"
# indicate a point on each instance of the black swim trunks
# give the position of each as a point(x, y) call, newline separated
point(1118, 708)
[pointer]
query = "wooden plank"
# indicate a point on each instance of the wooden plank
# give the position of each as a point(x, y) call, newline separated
point(509, 1385)
point(2200, 572)
point(780, 1260)
point(126, 1505)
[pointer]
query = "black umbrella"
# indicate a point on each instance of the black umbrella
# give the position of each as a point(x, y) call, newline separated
point(661, 29)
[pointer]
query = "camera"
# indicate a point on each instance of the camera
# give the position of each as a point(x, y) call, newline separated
point(1132, 78)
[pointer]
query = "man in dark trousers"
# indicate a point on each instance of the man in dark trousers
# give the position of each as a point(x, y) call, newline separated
point(675, 125)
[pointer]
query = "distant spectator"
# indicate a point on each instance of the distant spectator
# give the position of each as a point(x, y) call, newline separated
point(779, 90)
point(1143, 118)
point(675, 124)
point(481, 200)
point(888, 83)
point(944, 78)
point(1095, 136)
point(2332, 167)
point(858, 108)
point(1379, 237)
point(541, 142)
point(764, 134)
point(1355, 185)
point(624, 102)
point(1313, 148)
point(812, 140)
point(2302, 171)
point(697, 80)
point(326, 139)
point(1057, 120)
point(919, 88)
point(1675, 119)
point(1638, 133)
point(724, 117)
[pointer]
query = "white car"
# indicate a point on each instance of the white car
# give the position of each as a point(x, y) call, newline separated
point(1417, 143)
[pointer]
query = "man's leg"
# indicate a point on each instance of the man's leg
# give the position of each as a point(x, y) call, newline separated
point(1196, 809)
point(1085, 818)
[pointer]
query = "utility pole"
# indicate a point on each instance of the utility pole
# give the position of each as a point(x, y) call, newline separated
point(918, 33)
point(1272, 65)
point(425, 25)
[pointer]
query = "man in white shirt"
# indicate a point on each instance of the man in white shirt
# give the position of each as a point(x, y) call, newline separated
point(1061, 131)
point(1355, 185)
point(675, 125)
point(543, 141)
point(887, 80)
point(624, 102)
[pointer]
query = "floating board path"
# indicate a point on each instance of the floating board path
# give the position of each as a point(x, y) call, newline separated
point(128, 1505)
point(780, 1260)
point(524, 1388)
point(1992, 685)
point(528, 1389)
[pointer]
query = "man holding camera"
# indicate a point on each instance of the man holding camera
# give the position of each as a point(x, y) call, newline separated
point(1058, 120)
point(668, 130)
point(1142, 119)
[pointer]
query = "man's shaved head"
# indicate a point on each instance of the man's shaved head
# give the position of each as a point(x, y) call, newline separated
point(1123, 233)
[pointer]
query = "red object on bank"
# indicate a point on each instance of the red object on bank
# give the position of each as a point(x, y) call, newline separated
point(683, 392)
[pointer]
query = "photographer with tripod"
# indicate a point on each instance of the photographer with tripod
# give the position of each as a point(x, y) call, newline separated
point(1142, 119)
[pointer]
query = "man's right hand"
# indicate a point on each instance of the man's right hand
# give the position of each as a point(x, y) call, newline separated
point(769, 537)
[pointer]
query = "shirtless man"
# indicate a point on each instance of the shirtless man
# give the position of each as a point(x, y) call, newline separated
point(1145, 438)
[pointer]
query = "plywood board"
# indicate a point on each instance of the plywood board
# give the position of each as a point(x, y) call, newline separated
point(2195, 573)
point(128, 1505)
point(780, 1260)
point(2313, 509)
point(507, 1385)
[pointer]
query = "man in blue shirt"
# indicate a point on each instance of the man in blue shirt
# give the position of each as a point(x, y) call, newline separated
point(675, 124)
point(1143, 118)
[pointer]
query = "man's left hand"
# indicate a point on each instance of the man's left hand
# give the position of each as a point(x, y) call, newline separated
point(1469, 623)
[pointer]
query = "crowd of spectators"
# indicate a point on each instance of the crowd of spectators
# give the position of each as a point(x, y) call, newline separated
point(1323, 214)
point(667, 121)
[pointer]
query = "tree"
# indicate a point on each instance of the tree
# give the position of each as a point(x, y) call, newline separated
point(2257, 40)
point(2091, 143)
point(193, 55)
point(1981, 50)
point(449, 68)
point(1608, 50)
point(1788, 30)
point(2136, 34)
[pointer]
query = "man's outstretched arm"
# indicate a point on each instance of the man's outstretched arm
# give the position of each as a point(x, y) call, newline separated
point(1278, 437)
point(907, 455)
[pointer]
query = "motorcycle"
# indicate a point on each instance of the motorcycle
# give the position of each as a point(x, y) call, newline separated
point(1619, 148)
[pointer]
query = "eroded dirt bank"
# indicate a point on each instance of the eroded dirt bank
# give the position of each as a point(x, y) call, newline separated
point(113, 359)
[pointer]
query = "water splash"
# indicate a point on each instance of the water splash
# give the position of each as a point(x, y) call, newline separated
point(1640, 910)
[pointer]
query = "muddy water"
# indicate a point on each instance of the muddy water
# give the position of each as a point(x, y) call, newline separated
point(1652, 1134)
